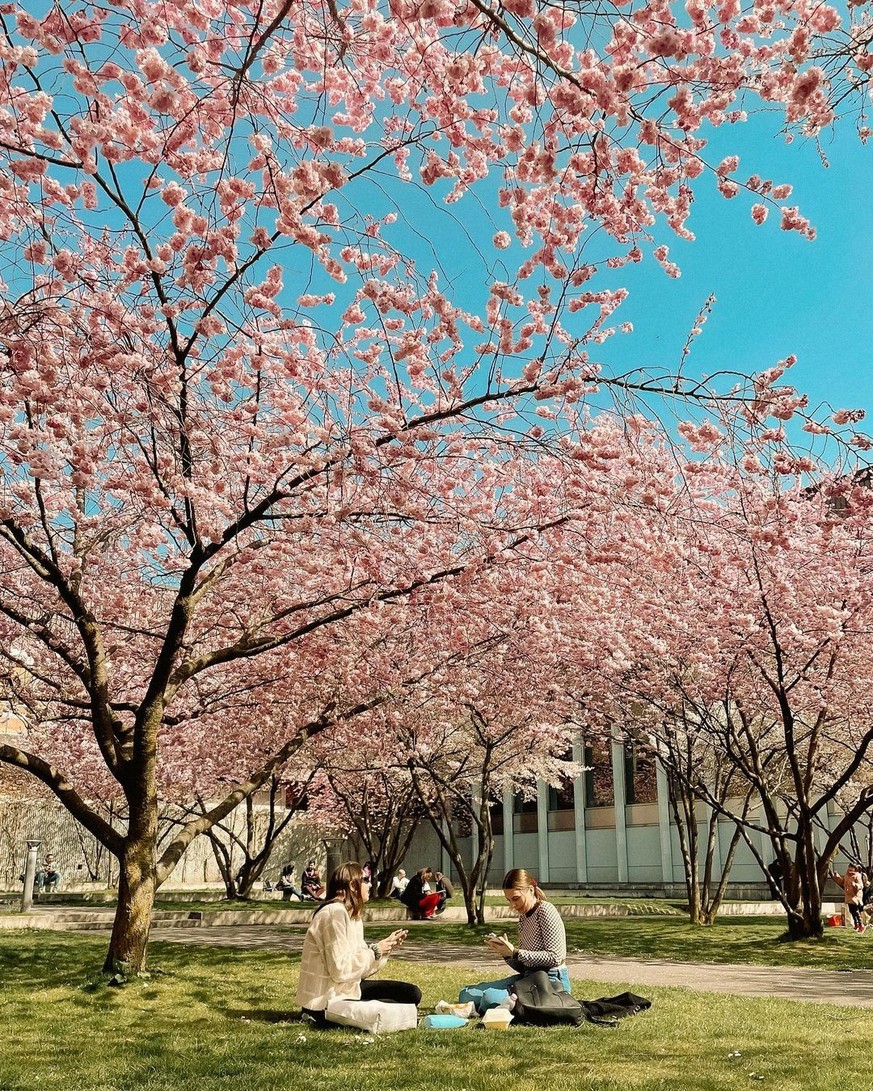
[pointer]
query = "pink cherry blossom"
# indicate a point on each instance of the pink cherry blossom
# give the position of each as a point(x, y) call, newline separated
point(256, 423)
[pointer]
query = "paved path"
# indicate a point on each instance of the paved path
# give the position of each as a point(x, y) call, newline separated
point(813, 986)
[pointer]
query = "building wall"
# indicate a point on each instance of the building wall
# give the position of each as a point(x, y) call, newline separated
point(622, 845)
point(82, 860)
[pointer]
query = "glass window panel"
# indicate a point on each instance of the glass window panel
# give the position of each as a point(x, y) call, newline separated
point(598, 775)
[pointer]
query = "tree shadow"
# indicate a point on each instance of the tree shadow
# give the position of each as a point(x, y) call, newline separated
point(259, 1015)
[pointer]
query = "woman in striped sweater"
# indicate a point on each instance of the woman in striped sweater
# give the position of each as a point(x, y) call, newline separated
point(542, 940)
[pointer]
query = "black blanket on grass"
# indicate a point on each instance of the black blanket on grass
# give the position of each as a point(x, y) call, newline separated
point(609, 1009)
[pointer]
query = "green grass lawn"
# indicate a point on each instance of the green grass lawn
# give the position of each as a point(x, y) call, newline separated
point(756, 940)
point(213, 1019)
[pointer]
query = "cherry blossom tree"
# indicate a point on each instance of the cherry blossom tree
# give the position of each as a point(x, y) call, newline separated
point(244, 405)
point(243, 851)
point(747, 665)
point(496, 721)
point(800, 734)
point(680, 731)
point(373, 801)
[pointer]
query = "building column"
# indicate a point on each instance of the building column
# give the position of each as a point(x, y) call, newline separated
point(664, 826)
point(508, 832)
point(619, 797)
point(445, 864)
point(717, 858)
point(579, 816)
point(543, 830)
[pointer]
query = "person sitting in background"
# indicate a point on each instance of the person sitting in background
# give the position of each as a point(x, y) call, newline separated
point(444, 888)
point(288, 882)
point(371, 872)
point(337, 963)
point(420, 899)
point(48, 878)
point(398, 884)
point(311, 883)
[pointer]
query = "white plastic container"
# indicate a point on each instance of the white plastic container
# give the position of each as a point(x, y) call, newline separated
point(497, 1019)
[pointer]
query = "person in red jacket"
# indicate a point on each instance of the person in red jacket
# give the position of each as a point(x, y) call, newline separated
point(420, 898)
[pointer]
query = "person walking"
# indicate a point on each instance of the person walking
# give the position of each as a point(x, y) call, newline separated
point(853, 883)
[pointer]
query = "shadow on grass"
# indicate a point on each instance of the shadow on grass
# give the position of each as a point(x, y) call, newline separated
point(260, 1015)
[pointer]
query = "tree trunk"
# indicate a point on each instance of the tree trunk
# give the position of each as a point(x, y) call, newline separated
point(221, 855)
point(714, 898)
point(805, 922)
point(804, 915)
point(470, 906)
point(704, 901)
point(443, 812)
point(133, 913)
point(682, 804)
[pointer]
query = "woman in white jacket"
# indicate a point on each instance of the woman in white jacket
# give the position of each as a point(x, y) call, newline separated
point(337, 961)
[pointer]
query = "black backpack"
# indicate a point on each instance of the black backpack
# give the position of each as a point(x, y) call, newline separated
point(541, 1002)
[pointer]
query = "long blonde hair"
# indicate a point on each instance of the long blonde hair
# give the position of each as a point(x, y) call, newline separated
point(519, 879)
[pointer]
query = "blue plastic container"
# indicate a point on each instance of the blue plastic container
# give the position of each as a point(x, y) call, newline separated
point(443, 1022)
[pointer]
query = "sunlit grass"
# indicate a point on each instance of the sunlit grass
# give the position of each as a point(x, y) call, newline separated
point(216, 904)
point(210, 1019)
point(755, 940)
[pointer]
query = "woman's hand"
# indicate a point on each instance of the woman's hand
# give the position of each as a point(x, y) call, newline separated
point(501, 945)
point(389, 943)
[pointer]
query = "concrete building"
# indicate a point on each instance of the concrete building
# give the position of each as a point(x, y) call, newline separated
point(610, 830)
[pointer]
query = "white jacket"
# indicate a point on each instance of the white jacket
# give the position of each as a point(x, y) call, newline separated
point(335, 959)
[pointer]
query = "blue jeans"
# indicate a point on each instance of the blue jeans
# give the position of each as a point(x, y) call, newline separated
point(46, 880)
point(490, 994)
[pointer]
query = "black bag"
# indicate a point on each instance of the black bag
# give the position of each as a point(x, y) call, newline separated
point(541, 1002)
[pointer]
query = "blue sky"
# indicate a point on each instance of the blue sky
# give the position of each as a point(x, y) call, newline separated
point(777, 293)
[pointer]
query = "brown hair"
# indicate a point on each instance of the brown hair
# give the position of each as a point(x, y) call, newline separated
point(519, 879)
point(345, 886)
